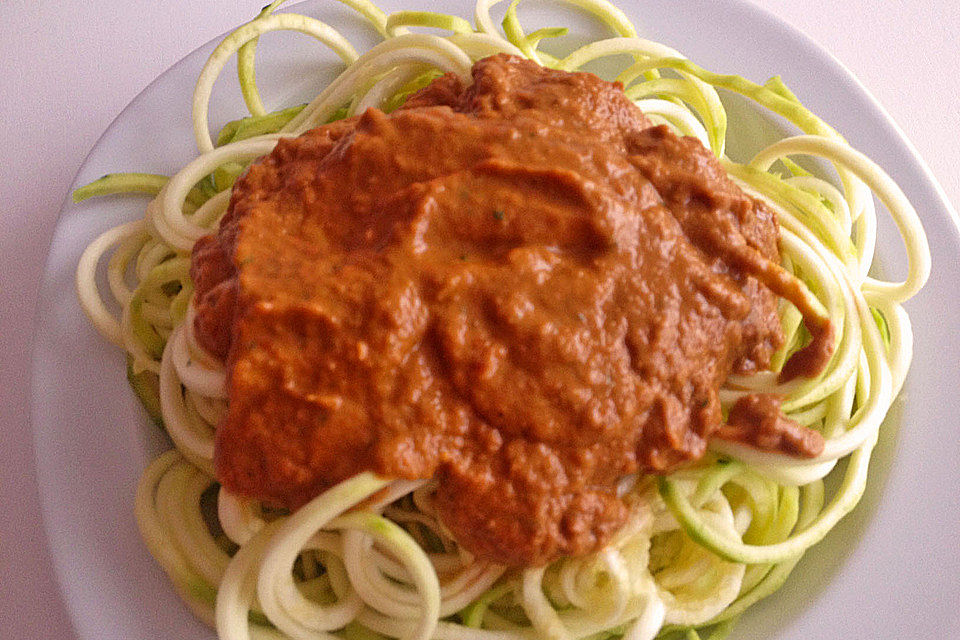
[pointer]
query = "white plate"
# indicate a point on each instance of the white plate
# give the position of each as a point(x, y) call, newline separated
point(889, 570)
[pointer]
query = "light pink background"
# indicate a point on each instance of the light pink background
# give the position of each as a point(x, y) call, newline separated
point(68, 67)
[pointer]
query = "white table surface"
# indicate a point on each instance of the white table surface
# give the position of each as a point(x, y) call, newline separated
point(68, 67)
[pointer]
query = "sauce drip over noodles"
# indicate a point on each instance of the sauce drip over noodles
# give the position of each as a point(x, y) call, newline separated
point(518, 287)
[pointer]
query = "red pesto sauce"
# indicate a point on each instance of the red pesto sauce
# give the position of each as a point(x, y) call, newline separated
point(519, 287)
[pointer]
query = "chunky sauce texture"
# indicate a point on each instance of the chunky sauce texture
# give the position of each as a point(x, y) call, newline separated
point(519, 287)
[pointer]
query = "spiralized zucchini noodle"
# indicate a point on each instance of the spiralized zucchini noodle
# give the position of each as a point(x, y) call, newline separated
point(369, 557)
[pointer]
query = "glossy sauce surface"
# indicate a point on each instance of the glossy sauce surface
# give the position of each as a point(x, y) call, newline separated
point(518, 287)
